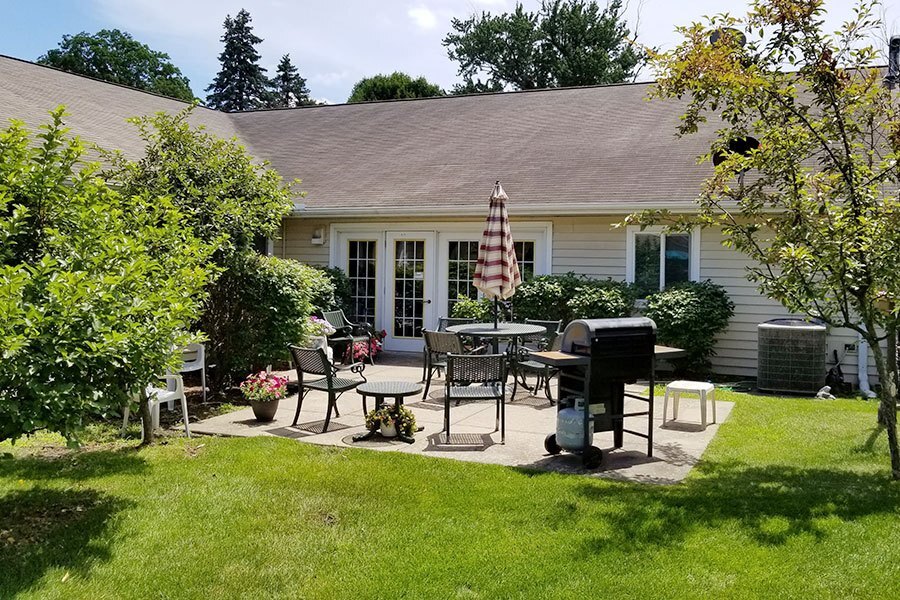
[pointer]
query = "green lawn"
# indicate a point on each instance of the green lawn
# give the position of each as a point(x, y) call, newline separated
point(792, 500)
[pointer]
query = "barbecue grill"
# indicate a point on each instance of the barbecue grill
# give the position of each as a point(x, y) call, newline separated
point(598, 357)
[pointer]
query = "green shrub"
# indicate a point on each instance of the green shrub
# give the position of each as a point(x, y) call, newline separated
point(261, 305)
point(602, 299)
point(689, 315)
point(481, 310)
point(546, 297)
point(336, 294)
point(97, 286)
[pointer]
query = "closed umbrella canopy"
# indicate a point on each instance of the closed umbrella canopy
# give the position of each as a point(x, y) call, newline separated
point(497, 272)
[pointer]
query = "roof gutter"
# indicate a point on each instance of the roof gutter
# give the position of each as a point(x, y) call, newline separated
point(537, 210)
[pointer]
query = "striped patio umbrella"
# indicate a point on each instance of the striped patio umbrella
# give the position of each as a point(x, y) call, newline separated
point(497, 272)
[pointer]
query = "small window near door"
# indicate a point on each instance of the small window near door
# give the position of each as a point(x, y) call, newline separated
point(361, 272)
point(658, 260)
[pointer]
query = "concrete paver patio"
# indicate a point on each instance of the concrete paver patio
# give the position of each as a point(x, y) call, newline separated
point(677, 445)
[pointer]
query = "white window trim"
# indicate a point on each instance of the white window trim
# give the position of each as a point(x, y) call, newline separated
point(694, 259)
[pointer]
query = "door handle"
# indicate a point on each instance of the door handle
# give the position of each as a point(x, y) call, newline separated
point(427, 301)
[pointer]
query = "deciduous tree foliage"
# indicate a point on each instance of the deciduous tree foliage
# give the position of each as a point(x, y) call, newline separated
point(115, 56)
point(815, 206)
point(395, 86)
point(564, 43)
point(241, 83)
point(230, 201)
point(98, 287)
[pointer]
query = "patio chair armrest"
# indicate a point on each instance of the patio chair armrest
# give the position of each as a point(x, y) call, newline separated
point(478, 349)
point(342, 331)
point(523, 354)
point(364, 328)
point(357, 367)
point(174, 377)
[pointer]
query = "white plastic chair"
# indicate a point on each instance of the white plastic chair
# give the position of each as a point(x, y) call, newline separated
point(193, 358)
point(174, 390)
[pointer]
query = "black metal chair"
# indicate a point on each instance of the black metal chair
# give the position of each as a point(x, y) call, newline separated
point(315, 362)
point(438, 344)
point(486, 369)
point(445, 322)
point(348, 334)
point(544, 372)
point(539, 342)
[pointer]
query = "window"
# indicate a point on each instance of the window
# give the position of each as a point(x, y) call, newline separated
point(461, 262)
point(462, 258)
point(361, 272)
point(525, 258)
point(409, 287)
point(656, 260)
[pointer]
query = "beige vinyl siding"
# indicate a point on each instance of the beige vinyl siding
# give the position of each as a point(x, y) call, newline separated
point(295, 242)
point(592, 246)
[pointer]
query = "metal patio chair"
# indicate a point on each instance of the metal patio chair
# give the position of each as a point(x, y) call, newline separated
point(443, 324)
point(438, 344)
point(489, 370)
point(348, 333)
point(310, 361)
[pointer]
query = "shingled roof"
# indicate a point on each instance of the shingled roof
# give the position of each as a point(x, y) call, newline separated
point(562, 151)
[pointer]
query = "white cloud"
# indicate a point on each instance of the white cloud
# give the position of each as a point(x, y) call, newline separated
point(423, 17)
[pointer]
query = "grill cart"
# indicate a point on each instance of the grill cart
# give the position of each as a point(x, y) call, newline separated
point(597, 358)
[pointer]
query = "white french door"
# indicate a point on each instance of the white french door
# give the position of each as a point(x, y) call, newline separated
point(410, 286)
point(402, 281)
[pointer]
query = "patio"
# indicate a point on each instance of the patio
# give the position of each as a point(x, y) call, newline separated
point(677, 446)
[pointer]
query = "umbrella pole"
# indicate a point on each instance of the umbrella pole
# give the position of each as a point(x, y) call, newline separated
point(496, 310)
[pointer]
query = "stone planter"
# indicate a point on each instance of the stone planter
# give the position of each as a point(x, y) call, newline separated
point(264, 411)
point(388, 431)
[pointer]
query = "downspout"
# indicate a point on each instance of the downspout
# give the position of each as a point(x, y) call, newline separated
point(862, 372)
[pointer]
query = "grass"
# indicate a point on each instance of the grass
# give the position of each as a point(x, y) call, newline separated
point(791, 500)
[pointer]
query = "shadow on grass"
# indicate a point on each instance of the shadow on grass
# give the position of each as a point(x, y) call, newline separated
point(75, 465)
point(769, 504)
point(42, 529)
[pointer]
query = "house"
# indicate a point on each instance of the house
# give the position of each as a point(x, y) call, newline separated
point(396, 192)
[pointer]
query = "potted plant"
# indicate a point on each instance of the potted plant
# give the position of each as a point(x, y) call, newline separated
point(362, 350)
point(392, 420)
point(317, 332)
point(263, 390)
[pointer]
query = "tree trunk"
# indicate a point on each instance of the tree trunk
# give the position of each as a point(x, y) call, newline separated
point(146, 419)
point(886, 362)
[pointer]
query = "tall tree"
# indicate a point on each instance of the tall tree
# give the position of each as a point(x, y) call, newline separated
point(817, 213)
point(115, 56)
point(395, 86)
point(241, 83)
point(288, 87)
point(565, 43)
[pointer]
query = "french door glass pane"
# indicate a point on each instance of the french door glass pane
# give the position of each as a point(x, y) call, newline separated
point(361, 271)
point(646, 263)
point(678, 251)
point(461, 270)
point(525, 259)
point(409, 287)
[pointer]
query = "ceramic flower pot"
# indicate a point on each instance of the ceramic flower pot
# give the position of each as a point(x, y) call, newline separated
point(264, 411)
point(388, 430)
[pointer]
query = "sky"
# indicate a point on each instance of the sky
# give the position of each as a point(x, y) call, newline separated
point(334, 43)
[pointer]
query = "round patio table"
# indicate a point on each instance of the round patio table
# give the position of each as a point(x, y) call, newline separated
point(503, 331)
point(398, 390)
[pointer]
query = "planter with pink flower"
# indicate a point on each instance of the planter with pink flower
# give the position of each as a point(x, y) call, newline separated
point(263, 390)
point(362, 350)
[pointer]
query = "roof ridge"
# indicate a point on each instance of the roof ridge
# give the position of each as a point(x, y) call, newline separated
point(113, 83)
point(568, 88)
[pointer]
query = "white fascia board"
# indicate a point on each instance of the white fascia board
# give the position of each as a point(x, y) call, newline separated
point(479, 211)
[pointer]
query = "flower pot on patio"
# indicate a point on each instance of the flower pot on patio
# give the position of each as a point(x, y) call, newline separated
point(388, 430)
point(263, 390)
point(264, 411)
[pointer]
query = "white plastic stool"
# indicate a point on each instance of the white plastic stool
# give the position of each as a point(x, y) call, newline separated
point(701, 388)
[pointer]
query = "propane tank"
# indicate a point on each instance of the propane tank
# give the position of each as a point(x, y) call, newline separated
point(570, 427)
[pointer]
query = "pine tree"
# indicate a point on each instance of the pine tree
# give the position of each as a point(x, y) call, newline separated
point(288, 87)
point(241, 83)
